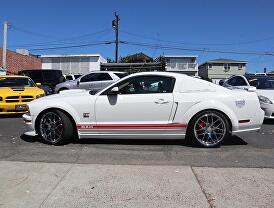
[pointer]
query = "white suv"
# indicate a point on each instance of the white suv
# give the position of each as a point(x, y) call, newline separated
point(94, 81)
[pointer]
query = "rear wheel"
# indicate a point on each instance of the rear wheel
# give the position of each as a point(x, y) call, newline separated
point(208, 129)
point(55, 127)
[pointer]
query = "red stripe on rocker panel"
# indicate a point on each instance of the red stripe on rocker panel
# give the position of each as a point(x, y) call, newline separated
point(131, 126)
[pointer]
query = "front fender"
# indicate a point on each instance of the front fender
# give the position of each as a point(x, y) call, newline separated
point(35, 111)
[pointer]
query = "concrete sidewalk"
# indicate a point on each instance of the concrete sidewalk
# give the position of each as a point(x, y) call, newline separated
point(30, 184)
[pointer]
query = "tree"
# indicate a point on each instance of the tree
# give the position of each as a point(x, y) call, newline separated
point(136, 58)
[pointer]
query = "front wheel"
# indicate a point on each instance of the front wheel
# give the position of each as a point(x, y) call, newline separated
point(55, 127)
point(208, 129)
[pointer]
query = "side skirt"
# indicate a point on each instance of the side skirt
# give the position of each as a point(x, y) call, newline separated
point(133, 131)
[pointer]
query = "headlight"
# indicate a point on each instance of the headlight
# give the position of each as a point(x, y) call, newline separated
point(264, 99)
point(39, 96)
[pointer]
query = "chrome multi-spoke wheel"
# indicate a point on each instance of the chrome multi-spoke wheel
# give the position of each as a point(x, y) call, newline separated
point(209, 128)
point(51, 127)
point(55, 127)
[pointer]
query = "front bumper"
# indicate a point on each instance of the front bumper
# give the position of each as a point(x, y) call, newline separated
point(268, 109)
point(29, 125)
point(10, 108)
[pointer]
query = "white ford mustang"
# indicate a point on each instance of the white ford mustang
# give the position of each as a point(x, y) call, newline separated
point(157, 105)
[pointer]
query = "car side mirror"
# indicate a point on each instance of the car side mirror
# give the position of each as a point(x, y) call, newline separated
point(252, 89)
point(221, 82)
point(78, 83)
point(114, 91)
point(38, 84)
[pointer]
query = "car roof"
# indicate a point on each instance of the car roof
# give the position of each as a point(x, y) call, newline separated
point(173, 74)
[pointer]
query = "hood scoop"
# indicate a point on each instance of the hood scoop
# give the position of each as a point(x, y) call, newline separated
point(18, 89)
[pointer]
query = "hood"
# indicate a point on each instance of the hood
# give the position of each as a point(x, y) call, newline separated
point(267, 93)
point(20, 91)
point(72, 91)
point(66, 94)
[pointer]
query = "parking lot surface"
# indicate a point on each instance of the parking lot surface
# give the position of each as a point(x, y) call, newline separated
point(255, 149)
point(135, 173)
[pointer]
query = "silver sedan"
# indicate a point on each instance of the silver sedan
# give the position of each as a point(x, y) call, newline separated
point(94, 81)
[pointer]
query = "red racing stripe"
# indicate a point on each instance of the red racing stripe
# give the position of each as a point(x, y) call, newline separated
point(131, 126)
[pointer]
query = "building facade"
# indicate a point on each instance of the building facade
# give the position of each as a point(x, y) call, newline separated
point(182, 64)
point(219, 69)
point(72, 64)
point(20, 61)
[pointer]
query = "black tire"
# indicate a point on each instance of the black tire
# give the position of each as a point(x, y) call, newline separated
point(208, 133)
point(55, 127)
point(62, 89)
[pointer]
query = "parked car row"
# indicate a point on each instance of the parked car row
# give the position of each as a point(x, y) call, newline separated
point(263, 85)
point(17, 91)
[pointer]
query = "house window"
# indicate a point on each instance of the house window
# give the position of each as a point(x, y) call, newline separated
point(227, 67)
point(209, 66)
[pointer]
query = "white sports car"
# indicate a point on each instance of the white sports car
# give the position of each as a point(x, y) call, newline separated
point(158, 105)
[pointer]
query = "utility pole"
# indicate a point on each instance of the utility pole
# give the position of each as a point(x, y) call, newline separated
point(4, 49)
point(115, 25)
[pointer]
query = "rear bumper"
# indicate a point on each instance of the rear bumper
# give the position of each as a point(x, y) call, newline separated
point(254, 123)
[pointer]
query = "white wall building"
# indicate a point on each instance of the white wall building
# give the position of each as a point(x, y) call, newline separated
point(182, 63)
point(71, 64)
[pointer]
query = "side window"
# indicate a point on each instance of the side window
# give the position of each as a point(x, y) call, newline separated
point(69, 77)
point(96, 77)
point(146, 85)
point(48, 75)
point(104, 77)
point(237, 81)
point(120, 75)
point(89, 78)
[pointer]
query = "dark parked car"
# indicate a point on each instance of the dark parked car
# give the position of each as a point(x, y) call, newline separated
point(49, 77)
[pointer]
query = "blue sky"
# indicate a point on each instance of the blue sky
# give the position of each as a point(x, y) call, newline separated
point(240, 26)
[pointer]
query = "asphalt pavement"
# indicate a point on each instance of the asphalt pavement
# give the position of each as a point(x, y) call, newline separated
point(135, 173)
point(253, 149)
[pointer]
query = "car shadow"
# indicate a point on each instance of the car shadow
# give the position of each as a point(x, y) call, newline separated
point(234, 140)
point(11, 116)
point(268, 121)
point(30, 139)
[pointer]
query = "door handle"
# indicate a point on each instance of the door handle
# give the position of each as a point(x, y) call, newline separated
point(161, 101)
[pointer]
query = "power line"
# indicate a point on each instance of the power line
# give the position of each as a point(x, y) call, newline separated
point(30, 32)
point(74, 46)
point(169, 47)
point(185, 43)
point(56, 41)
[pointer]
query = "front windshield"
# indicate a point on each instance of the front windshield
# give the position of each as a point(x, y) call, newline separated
point(263, 83)
point(16, 82)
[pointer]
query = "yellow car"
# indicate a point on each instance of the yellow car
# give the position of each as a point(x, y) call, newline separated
point(16, 92)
